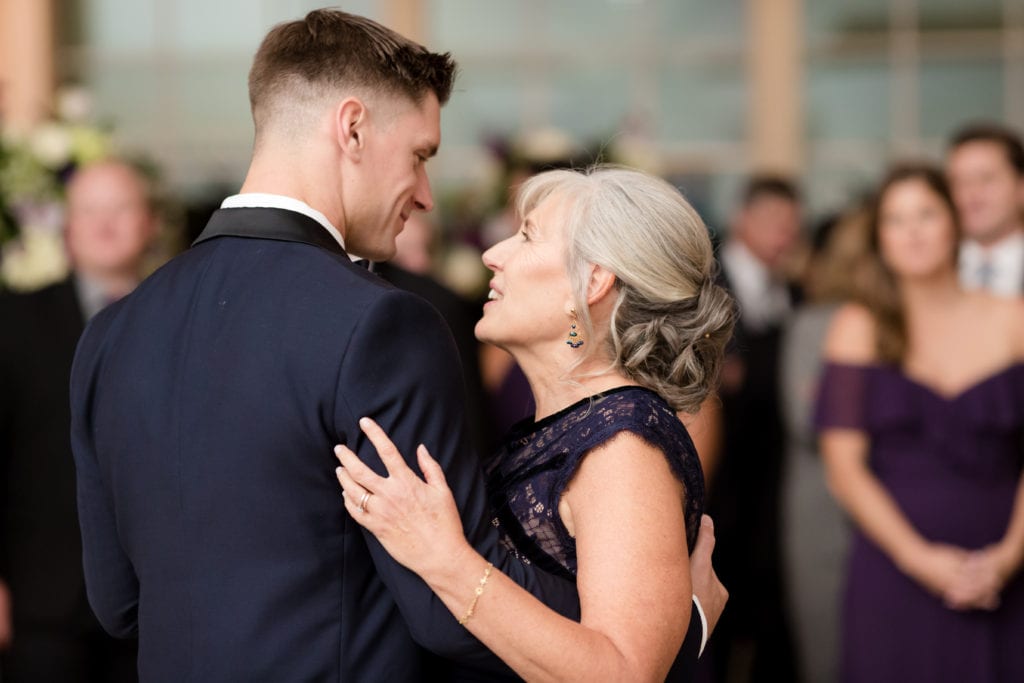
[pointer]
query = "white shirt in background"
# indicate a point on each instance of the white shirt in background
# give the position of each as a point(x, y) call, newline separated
point(763, 299)
point(999, 268)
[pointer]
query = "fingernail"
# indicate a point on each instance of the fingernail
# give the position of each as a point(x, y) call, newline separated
point(337, 470)
point(337, 450)
point(364, 422)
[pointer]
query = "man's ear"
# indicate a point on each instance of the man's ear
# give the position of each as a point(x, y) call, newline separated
point(599, 284)
point(351, 126)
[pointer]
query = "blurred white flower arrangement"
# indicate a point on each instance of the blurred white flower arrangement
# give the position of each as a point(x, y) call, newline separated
point(34, 167)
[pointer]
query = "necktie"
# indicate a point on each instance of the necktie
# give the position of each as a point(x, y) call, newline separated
point(986, 274)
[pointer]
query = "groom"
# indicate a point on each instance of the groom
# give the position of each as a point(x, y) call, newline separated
point(205, 405)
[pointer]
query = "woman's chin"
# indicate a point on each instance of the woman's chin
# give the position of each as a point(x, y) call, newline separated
point(485, 334)
point(482, 333)
point(923, 271)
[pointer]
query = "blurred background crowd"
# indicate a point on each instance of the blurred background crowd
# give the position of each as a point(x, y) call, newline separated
point(125, 122)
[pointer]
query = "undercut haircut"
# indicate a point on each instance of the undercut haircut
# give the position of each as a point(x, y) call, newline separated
point(330, 53)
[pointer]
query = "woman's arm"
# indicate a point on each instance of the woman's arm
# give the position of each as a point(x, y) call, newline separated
point(989, 569)
point(937, 567)
point(633, 579)
point(845, 451)
point(1009, 552)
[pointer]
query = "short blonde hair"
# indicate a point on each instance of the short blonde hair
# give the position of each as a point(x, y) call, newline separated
point(671, 321)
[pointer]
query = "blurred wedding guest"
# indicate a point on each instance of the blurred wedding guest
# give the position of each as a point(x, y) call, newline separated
point(921, 415)
point(815, 532)
point(753, 640)
point(985, 168)
point(53, 634)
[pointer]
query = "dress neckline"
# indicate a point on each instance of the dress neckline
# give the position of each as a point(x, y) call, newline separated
point(951, 397)
point(969, 387)
point(527, 425)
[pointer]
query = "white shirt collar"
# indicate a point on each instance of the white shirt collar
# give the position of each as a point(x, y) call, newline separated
point(741, 263)
point(264, 200)
point(764, 300)
point(1006, 259)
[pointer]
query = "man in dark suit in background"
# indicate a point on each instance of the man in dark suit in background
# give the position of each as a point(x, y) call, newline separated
point(56, 638)
point(985, 167)
point(753, 642)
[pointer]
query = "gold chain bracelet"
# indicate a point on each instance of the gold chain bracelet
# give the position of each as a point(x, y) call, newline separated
point(476, 594)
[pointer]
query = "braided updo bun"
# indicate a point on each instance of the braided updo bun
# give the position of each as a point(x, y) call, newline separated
point(670, 321)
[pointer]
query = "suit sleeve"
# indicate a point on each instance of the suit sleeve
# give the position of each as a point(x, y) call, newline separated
point(403, 361)
point(111, 584)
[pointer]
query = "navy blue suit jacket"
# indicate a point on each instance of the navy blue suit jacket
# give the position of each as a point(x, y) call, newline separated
point(205, 406)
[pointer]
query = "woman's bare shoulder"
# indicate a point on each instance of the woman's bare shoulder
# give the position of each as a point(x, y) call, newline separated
point(851, 335)
point(644, 459)
point(1004, 316)
point(1015, 320)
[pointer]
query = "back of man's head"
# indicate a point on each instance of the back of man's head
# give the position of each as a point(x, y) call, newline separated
point(303, 65)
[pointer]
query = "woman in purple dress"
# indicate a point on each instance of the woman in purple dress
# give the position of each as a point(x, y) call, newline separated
point(921, 415)
point(607, 300)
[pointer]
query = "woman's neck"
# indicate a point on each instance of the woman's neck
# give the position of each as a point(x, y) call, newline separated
point(929, 293)
point(556, 384)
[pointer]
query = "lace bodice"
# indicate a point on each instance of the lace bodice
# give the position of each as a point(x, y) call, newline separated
point(532, 468)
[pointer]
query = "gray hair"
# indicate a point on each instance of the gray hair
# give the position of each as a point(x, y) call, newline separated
point(670, 321)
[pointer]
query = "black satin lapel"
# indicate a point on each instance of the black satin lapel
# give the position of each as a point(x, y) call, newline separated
point(269, 224)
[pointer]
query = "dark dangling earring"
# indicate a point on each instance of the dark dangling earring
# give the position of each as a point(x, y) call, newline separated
point(574, 338)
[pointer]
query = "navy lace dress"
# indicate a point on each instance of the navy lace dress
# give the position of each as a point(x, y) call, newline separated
point(532, 468)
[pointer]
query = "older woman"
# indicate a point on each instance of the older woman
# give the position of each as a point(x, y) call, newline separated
point(606, 298)
point(922, 425)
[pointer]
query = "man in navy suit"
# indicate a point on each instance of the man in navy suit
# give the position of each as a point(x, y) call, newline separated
point(205, 406)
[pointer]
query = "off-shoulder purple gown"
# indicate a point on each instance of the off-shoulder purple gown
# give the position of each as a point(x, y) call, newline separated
point(952, 464)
